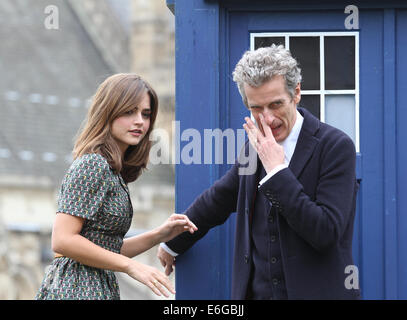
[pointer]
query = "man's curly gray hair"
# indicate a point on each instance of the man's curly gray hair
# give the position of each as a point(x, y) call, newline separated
point(258, 66)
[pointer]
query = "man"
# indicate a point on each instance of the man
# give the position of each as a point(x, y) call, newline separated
point(295, 215)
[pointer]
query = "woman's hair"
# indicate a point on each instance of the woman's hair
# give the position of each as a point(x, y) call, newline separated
point(115, 96)
point(259, 66)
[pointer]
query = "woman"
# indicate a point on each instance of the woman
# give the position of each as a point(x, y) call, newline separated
point(94, 208)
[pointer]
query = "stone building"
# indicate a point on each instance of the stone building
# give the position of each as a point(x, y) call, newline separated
point(52, 58)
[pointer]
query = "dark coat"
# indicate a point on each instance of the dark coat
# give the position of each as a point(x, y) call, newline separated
point(315, 199)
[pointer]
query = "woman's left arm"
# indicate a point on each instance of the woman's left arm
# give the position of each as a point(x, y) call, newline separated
point(175, 225)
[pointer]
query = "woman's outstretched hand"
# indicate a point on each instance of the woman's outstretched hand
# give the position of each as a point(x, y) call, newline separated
point(175, 225)
point(151, 277)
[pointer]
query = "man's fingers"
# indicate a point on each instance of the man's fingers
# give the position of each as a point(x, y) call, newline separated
point(168, 269)
point(250, 123)
point(162, 262)
point(266, 129)
point(167, 262)
point(252, 138)
point(256, 133)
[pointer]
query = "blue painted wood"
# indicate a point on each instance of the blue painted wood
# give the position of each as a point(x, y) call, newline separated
point(401, 134)
point(225, 121)
point(371, 128)
point(357, 233)
point(203, 267)
point(390, 181)
point(314, 5)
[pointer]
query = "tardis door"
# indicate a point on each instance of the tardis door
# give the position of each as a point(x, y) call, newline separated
point(350, 81)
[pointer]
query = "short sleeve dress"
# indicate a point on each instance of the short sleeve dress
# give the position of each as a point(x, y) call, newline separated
point(92, 191)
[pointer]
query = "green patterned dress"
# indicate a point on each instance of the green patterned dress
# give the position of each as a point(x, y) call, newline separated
point(92, 191)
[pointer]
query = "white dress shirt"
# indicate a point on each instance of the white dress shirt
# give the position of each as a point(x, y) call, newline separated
point(288, 144)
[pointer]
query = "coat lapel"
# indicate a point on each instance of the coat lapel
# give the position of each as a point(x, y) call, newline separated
point(306, 142)
point(248, 168)
point(249, 158)
point(252, 182)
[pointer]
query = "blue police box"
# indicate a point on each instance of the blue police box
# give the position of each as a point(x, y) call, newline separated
point(353, 57)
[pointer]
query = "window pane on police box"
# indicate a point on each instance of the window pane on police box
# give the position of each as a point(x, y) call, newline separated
point(261, 42)
point(340, 113)
point(311, 103)
point(306, 51)
point(339, 63)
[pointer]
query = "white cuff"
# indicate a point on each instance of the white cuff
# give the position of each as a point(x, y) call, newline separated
point(273, 172)
point(165, 247)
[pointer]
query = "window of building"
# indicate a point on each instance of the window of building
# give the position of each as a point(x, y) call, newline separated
point(329, 63)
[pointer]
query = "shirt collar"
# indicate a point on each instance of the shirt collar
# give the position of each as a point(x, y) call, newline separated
point(290, 142)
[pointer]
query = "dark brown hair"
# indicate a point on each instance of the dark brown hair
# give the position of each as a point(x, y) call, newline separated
point(115, 96)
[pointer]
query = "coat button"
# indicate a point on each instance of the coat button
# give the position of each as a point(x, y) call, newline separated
point(246, 259)
point(273, 238)
point(273, 259)
point(275, 281)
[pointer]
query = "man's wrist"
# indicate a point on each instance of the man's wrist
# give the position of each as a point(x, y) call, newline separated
point(273, 172)
point(167, 249)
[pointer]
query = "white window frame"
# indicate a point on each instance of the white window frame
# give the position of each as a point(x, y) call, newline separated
point(322, 92)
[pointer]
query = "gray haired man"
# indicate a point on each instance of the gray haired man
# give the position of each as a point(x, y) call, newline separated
point(295, 214)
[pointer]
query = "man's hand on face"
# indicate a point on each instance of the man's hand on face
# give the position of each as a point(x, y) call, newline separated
point(270, 152)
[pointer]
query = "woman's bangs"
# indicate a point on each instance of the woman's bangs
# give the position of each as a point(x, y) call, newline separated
point(131, 99)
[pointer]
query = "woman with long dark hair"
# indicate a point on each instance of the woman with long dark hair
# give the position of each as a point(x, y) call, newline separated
point(94, 208)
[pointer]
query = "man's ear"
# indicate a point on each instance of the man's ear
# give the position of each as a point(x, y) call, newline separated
point(297, 94)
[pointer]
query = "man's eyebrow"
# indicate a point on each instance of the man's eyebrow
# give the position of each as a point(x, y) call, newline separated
point(270, 103)
point(276, 101)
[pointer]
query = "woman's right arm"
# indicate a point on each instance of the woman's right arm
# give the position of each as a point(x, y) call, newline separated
point(67, 241)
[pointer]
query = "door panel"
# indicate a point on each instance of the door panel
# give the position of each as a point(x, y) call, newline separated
point(401, 60)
